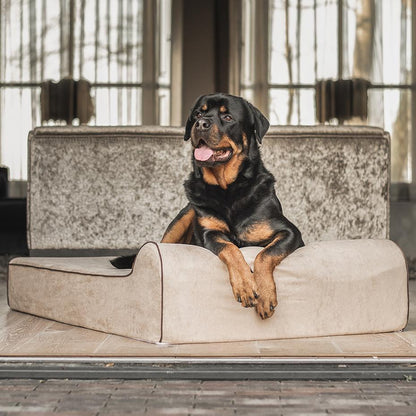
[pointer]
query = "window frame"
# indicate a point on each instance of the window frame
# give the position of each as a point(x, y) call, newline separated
point(261, 85)
point(149, 84)
point(148, 88)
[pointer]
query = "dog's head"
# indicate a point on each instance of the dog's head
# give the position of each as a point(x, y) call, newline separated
point(223, 128)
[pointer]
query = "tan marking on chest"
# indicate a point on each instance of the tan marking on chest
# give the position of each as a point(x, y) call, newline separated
point(222, 175)
point(212, 223)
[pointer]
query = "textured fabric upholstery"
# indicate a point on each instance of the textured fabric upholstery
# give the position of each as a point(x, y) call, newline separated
point(117, 187)
point(181, 294)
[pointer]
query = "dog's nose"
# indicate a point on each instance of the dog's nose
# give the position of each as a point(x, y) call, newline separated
point(203, 124)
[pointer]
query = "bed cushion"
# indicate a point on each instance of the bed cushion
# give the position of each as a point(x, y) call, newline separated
point(181, 294)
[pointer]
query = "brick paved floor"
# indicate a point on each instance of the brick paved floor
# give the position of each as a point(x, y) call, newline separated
point(119, 397)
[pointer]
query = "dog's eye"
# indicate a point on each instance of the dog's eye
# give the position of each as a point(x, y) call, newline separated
point(198, 114)
point(227, 117)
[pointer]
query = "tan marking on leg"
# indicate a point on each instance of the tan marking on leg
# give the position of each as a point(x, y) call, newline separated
point(181, 231)
point(187, 238)
point(241, 278)
point(264, 266)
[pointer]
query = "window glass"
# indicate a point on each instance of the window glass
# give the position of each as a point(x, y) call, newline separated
point(108, 40)
point(391, 109)
point(376, 39)
point(295, 106)
point(303, 47)
point(107, 51)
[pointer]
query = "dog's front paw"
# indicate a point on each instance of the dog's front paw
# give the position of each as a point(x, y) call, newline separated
point(266, 305)
point(267, 301)
point(244, 289)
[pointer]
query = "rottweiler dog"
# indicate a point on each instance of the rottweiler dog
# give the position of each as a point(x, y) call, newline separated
point(232, 201)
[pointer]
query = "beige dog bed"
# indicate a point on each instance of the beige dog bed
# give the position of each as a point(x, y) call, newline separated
point(181, 294)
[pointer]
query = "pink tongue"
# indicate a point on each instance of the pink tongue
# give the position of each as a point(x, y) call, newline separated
point(203, 153)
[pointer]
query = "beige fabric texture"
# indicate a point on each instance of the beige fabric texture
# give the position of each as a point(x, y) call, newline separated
point(181, 294)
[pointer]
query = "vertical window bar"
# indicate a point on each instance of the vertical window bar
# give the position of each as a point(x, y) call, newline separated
point(2, 57)
point(21, 42)
point(129, 38)
point(413, 91)
point(262, 25)
point(163, 61)
point(176, 63)
point(71, 24)
point(236, 35)
point(108, 57)
point(298, 34)
point(149, 70)
point(82, 38)
point(247, 52)
point(289, 60)
point(33, 56)
point(62, 37)
point(139, 64)
point(315, 40)
point(157, 56)
point(97, 34)
point(340, 38)
point(42, 41)
point(119, 56)
point(21, 75)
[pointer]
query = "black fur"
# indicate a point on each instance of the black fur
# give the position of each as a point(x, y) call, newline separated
point(250, 198)
point(123, 262)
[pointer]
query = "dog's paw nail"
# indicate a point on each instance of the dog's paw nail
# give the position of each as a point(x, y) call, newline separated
point(238, 299)
point(256, 295)
point(272, 307)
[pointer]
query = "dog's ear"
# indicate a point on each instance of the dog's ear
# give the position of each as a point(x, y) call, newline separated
point(260, 122)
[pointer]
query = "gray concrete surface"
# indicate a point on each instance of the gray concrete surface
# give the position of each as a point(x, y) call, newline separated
point(118, 397)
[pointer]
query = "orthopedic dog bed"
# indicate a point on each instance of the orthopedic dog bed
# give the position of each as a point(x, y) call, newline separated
point(181, 294)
